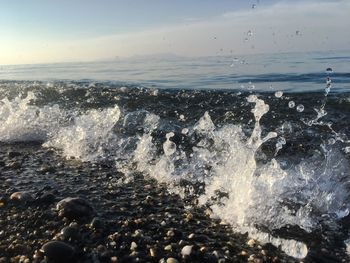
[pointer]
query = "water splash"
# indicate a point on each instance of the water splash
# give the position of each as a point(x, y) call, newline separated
point(241, 192)
point(21, 121)
point(89, 136)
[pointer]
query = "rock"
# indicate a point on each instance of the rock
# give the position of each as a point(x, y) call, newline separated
point(46, 198)
point(168, 248)
point(172, 260)
point(75, 208)
point(21, 196)
point(3, 201)
point(69, 233)
point(251, 242)
point(13, 154)
point(133, 246)
point(186, 250)
point(152, 252)
point(244, 253)
point(58, 252)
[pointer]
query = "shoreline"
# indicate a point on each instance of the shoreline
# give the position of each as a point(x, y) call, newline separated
point(132, 221)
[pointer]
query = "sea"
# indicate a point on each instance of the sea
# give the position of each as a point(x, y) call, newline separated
point(262, 141)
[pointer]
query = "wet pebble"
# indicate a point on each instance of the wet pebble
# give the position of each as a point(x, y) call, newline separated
point(21, 196)
point(172, 260)
point(75, 208)
point(69, 233)
point(58, 252)
point(186, 250)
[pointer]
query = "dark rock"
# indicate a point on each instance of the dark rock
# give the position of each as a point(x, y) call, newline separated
point(69, 233)
point(46, 198)
point(21, 196)
point(58, 252)
point(75, 208)
point(13, 154)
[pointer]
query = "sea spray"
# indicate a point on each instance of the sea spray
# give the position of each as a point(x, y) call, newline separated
point(244, 194)
point(21, 121)
point(89, 136)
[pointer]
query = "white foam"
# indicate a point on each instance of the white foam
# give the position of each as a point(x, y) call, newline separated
point(88, 135)
point(265, 195)
point(21, 121)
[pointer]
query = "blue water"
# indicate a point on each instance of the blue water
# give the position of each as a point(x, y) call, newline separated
point(292, 72)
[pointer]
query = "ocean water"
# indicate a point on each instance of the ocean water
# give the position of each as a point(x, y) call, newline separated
point(262, 141)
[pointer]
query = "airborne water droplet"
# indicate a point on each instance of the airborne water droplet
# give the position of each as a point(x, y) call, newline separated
point(278, 94)
point(329, 70)
point(331, 141)
point(291, 104)
point(300, 108)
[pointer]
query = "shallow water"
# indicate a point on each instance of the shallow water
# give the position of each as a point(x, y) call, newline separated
point(268, 161)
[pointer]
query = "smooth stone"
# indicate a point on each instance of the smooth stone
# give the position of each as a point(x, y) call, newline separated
point(58, 252)
point(186, 250)
point(168, 248)
point(75, 208)
point(21, 196)
point(152, 252)
point(172, 260)
point(251, 242)
point(69, 232)
point(133, 246)
point(3, 201)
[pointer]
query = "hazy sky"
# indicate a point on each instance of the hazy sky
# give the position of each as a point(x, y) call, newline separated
point(40, 31)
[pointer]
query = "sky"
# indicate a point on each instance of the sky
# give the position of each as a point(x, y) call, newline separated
point(48, 31)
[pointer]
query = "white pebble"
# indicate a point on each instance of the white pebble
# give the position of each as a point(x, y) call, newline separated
point(186, 250)
point(133, 246)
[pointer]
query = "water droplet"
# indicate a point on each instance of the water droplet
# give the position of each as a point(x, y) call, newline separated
point(250, 85)
point(253, 6)
point(278, 94)
point(249, 33)
point(331, 141)
point(287, 127)
point(329, 70)
point(184, 131)
point(347, 149)
point(291, 104)
point(297, 33)
point(300, 108)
